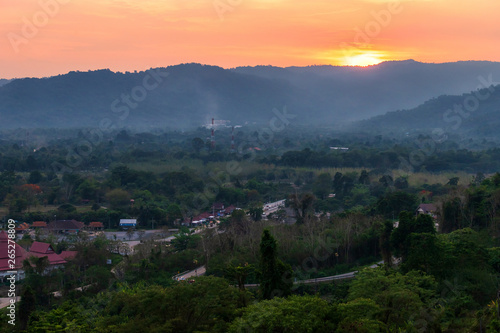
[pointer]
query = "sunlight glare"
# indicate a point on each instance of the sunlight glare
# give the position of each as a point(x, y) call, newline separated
point(363, 60)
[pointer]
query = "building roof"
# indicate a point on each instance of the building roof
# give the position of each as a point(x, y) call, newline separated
point(20, 253)
point(54, 258)
point(230, 209)
point(128, 221)
point(68, 255)
point(66, 225)
point(39, 249)
point(218, 205)
point(22, 226)
point(427, 208)
point(96, 225)
point(202, 216)
point(39, 224)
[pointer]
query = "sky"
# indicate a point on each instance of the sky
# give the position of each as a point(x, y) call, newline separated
point(49, 37)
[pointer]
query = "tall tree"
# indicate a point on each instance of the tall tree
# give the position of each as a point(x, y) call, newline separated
point(275, 276)
point(322, 185)
point(26, 307)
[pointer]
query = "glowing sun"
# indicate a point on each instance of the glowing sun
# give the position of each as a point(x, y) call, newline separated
point(365, 59)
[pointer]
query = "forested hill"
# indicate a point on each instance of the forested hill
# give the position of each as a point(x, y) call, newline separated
point(4, 82)
point(192, 94)
point(473, 114)
point(355, 93)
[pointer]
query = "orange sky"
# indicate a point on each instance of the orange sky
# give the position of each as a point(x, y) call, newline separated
point(126, 35)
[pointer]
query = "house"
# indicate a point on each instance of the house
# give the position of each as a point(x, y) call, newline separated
point(65, 226)
point(39, 249)
point(272, 207)
point(22, 228)
point(11, 264)
point(218, 206)
point(229, 210)
point(128, 223)
point(96, 226)
point(428, 209)
point(39, 224)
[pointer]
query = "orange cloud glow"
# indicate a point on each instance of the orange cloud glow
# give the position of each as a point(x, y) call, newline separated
point(49, 37)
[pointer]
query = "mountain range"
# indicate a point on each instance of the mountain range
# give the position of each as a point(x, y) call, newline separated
point(473, 114)
point(189, 95)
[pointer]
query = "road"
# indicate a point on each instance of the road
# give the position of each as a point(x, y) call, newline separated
point(5, 301)
point(196, 272)
point(202, 270)
point(344, 276)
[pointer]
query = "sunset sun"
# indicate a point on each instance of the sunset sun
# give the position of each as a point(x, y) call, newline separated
point(366, 59)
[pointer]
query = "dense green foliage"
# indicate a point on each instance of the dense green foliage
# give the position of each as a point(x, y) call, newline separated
point(440, 271)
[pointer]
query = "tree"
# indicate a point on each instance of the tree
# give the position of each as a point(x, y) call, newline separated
point(303, 206)
point(385, 243)
point(478, 178)
point(37, 265)
point(204, 304)
point(26, 307)
point(292, 314)
point(173, 213)
point(70, 181)
point(338, 183)
point(181, 241)
point(35, 177)
point(118, 198)
point(395, 202)
point(453, 181)
point(407, 226)
point(238, 223)
point(323, 185)
point(34, 269)
point(401, 183)
point(426, 253)
point(197, 144)
point(275, 276)
point(364, 178)
point(239, 273)
point(69, 317)
point(256, 212)
point(399, 298)
point(453, 215)
point(386, 181)
point(88, 189)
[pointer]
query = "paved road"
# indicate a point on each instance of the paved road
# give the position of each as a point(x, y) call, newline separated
point(344, 276)
point(5, 301)
point(195, 272)
point(202, 270)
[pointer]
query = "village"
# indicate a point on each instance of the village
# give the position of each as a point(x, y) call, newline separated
point(129, 233)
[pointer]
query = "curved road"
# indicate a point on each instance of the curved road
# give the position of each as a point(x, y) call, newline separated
point(202, 270)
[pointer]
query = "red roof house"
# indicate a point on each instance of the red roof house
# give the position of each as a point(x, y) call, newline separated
point(20, 254)
point(22, 227)
point(202, 216)
point(39, 249)
point(96, 226)
point(39, 224)
point(229, 210)
point(218, 206)
point(66, 226)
